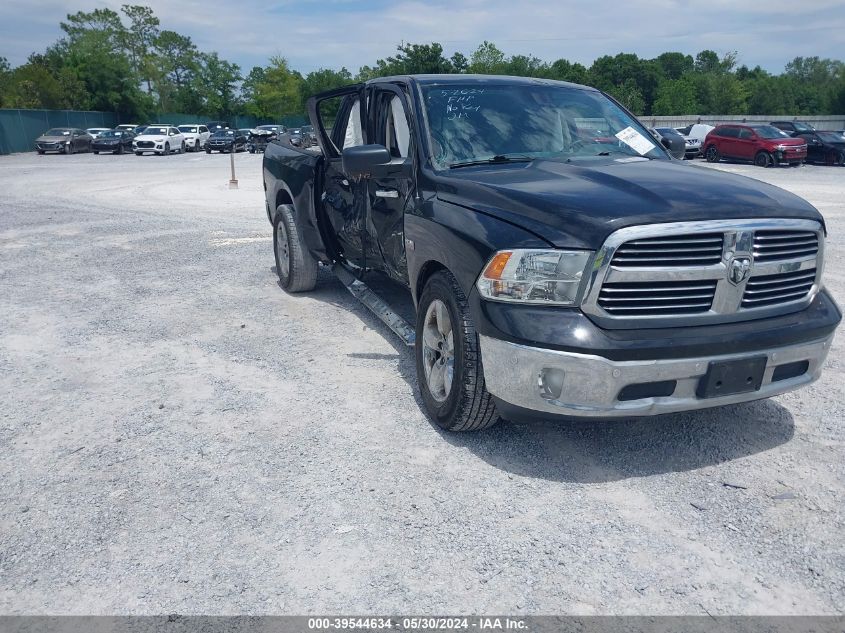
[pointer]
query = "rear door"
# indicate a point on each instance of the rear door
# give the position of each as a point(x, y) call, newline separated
point(390, 124)
point(815, 149)
point(338, 119)
point(745, 144)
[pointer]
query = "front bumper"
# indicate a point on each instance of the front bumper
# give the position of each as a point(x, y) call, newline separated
point(563, 383)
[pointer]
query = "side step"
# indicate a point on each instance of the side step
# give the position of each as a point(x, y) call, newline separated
point(376, 305)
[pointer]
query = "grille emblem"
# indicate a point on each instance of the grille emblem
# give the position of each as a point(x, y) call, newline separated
point(739, 270)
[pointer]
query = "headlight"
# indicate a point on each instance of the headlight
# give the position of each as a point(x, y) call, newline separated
point(781, 148)
point(534, 276)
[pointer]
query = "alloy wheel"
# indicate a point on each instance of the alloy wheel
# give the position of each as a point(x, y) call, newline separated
point(438, 350)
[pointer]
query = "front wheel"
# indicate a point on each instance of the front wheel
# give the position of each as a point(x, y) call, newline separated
point(207, 150)
point(296, 267)
point(182, 149)
point(763, 159)
point(712, 154)
point(139, 153)
point(166, 151)
point(449, 371)
point(96, 153)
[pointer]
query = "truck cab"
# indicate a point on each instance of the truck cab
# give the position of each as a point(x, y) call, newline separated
point(558, 266)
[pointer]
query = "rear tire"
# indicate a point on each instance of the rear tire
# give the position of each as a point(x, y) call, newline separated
point(296, 267)
point(449, 370)
point(712, 154)
point(763, 159)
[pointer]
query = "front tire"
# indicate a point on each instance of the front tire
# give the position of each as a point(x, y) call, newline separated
point(712, 154)
point(763, 159)
point(166, 151)
point(96, 153)
point(449, 371)
point(296, 267)
point(182, 149)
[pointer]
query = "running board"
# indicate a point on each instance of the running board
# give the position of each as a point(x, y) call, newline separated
point(377, 305)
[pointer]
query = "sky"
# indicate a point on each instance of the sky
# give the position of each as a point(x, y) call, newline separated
point(314, 34)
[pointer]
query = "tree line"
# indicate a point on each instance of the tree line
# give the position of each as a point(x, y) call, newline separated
point(125, 62)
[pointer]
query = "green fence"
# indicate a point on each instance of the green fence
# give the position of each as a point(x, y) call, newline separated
point(20, 128)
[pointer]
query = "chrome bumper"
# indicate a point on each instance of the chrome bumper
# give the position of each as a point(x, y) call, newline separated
point(529, 377)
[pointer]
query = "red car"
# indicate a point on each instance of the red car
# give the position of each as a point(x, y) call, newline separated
point(763, 144)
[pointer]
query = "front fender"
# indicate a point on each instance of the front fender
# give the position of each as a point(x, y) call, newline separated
point(443, 234)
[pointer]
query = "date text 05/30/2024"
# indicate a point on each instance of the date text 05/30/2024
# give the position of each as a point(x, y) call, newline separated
point(417, 623)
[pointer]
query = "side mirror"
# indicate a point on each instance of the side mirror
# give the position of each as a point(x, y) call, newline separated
point(665, 142)
point(362, 160)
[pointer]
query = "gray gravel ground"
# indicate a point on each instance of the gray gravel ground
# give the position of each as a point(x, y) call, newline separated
point(179, 435)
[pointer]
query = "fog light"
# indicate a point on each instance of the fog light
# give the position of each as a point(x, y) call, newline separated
point(550, 382)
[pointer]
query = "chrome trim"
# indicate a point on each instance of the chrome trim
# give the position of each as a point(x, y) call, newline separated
point(591, 384)
point(726, 308)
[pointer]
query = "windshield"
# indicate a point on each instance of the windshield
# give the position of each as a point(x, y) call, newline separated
point(223, 133)
point(474, 123)
point(156, 130)
point(188, 128)
point(831, 137)
point(770, 131)
point(111, 134)
point(803, 127)
point(271, 128)
point(57, 131)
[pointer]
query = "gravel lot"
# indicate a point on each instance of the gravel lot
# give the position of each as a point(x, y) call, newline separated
point(179, 435)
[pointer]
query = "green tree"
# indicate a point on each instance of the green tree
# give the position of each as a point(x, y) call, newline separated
point(675, 96)
point(139, 40)
point(216, 82)
point(675, 65)
point(279, 93)
point(564, 70)
point(487, 59)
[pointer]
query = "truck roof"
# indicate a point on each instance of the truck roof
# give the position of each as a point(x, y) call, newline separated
point(485, 79)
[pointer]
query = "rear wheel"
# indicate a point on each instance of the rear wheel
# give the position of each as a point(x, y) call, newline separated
point(449, 371)
point(712, 154)
point(296, 267)
point(763, 159)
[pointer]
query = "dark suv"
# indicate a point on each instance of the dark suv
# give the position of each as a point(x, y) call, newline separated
point(794, 128)
point(764, 145)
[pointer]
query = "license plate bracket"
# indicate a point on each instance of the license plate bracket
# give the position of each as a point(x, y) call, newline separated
point(725, 378)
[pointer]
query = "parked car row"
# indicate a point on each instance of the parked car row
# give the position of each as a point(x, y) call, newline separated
point(764, 144)
point(165, 138)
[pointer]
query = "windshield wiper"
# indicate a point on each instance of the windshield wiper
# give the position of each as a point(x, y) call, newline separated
point(498, 159)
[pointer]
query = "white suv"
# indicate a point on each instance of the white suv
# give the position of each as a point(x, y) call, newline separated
point(195, 136)
point(159, 139)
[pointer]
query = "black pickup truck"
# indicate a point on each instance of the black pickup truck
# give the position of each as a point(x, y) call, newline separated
point(560, 263)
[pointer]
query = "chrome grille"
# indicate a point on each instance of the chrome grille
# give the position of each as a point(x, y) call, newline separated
point(676, 250)
point(770, 246)
point(703, 272)
point(664, 298)
point(766, 290)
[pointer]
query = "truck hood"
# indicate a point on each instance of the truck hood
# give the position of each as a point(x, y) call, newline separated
point(578, 205)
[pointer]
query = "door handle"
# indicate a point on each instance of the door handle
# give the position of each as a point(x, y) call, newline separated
point(387, 193)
